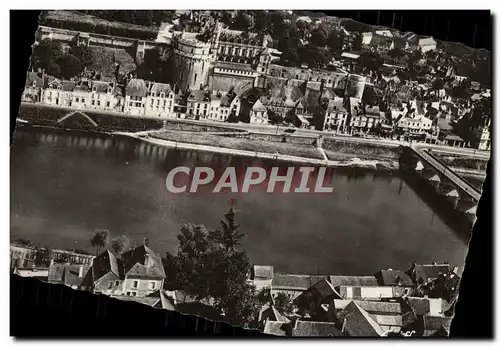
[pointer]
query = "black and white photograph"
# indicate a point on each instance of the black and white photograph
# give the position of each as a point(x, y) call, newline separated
point(285, 171)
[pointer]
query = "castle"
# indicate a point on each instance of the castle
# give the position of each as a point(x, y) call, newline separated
point(220, 59)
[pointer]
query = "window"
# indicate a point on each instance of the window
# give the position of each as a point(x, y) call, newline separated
point(157, 103)
point(195, 77)
point(134, 294)
point(152, 102)
point(77, 99)
point(83, 100)
point(131, 104)
point(93, 103)
point(135, 284)
point(108, 104)
point(110, 285)
point(152, 285)
point(117, 283)
point(98, 103)
point(162, 95)
point(128, 293)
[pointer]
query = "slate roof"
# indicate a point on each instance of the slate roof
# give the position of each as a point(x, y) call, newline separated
point(391, 277)
point(434, 323)
point(101, 87)
point(136, 88)
point(428, 272)
point(269, 312)
point(68, 85)
point(358, 323)
point(135, 263)
point(159, 88)
point(315, 329)
point(369, 306)
point(199, 96)
point(258, 106)
point(104, 263)
point(339, 280)
point(67, 274)
point(150, 301)
point(34, 77)
point(335, 105)
point(295, 281)
point(263, 272)
point(276, 328)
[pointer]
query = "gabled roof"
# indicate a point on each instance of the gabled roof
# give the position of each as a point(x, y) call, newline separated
point(291, 281)
point(199, 96)
point(142, 261)
point(393, 277)
point(159, 88)
point(34, 77)
point(428, 272)
point(104, 263)
point(357, 322)
point(136, 88)
point(258, 106)
point(101, 87)
point(339, 280)
point(315, 329)
point(269, 312)
point(68, 274)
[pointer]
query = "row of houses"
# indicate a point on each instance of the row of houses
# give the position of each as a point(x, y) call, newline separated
point(137, 98)
point(416, 302)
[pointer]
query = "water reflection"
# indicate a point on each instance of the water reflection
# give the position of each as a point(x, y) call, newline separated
point(372, 220)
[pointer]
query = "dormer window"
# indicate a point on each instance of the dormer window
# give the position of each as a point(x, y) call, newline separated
point(162, 95)
point(94, 88)
point(34, 83)
point(153, 94)
point(110, 90)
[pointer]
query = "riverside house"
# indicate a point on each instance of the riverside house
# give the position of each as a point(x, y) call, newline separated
point(258, 114)
point(136, 93)
point(160, 100)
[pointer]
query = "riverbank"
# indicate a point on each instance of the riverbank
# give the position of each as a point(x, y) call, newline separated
point(155, 139)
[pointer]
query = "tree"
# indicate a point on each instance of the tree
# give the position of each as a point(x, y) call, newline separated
point(438, 84)
point(283, 304)
point(290, 57)
point(210, 264)
point(225, 17)
point(46, 53)
point(120, 244)
point(273, 117)
point(262, 22)
point(233, 117)
point(82, 53)
point(163, 16)
point(100, 240)
point(335, 41)
point(319, 37)
point(70, 65)
point(241, 21)
point(370, 60)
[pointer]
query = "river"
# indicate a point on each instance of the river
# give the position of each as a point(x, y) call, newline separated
point(65, 185)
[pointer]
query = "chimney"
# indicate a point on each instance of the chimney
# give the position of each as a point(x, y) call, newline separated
point(80, 272)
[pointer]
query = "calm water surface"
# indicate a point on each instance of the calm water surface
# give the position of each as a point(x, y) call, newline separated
point(66, 185)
